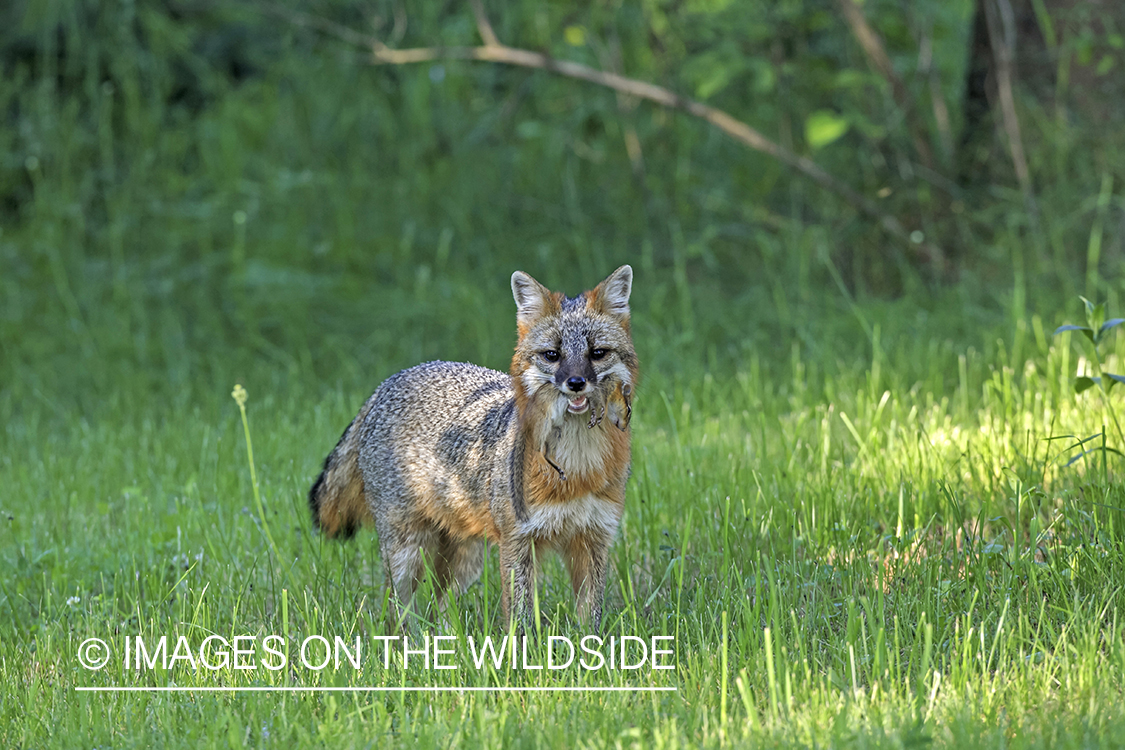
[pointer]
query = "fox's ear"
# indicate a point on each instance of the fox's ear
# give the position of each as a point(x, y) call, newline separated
point(532, 300)
point(612, 295)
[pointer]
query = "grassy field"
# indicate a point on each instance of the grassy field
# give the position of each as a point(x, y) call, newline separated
point(866, 563)
point(858, 506)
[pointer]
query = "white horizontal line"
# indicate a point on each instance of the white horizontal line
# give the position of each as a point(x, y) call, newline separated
point(432, 689)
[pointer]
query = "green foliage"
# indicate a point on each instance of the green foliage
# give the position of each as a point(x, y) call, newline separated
point(823, 127)
point(1095, 332)
point(862, 471)
point(1096, 325)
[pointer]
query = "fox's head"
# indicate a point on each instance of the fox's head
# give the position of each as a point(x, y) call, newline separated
point(574, 354)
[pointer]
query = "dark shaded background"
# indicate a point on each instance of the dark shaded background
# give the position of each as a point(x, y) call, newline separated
point(194, 192)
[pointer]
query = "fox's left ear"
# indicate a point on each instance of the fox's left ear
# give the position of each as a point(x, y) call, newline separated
point(612, 295)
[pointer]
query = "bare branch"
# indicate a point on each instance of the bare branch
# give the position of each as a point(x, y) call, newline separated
point(499, 53)
point(1001, 30)
point(927, 68)
point(484, 28)
point(876, 53)
point(307, 21)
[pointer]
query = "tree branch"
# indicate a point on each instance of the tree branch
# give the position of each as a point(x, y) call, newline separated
point(876, 53)
point(927, 68)
point(500, 53)
point(484, 28)
point(1001, 30)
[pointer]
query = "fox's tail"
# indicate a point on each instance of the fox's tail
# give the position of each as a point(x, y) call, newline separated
point(337, 500)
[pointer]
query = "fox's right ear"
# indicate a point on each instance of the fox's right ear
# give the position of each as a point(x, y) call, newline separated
point(532, 300)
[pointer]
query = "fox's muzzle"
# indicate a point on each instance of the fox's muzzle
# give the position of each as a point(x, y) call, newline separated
point(575, 379)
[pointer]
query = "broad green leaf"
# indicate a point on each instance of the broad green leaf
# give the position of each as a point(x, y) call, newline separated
point(1084, 49)
point(850, 78)
point(1099, 317)
point(1113, 323)
point(1084, 383)
point(1113, 379)
point(712, 71)
point(1099, 449)
point(714, 80)
point(765, 78)
point(1095, 314)
point(1089, 333)
point(823, 127)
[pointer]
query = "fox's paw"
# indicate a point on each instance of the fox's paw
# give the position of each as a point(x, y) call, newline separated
point(596, 416)
point(621, 406)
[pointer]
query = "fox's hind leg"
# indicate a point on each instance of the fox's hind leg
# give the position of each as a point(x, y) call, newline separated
point(459, 565)
point(465, 564)
point(405, 557)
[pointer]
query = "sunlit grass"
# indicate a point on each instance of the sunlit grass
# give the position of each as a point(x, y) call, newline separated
point(887, 568)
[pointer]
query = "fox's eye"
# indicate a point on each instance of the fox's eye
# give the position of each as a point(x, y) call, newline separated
point(598, 353)
point(551, 355)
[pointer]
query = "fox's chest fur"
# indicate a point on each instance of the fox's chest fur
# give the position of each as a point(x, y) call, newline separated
point(574, 445)
point(567, 462)
point(564, 520)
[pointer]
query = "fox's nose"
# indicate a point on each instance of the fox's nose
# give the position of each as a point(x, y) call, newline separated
point(576, 384)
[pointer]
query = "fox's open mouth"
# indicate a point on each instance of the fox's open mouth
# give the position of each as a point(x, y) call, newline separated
point(578, 405)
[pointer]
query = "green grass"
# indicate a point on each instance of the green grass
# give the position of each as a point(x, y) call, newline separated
point(890, 567)
point(850, 502)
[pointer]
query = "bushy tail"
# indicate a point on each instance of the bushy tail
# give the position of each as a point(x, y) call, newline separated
point(338, 503)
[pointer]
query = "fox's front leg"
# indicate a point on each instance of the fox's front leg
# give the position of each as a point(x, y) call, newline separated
point(587, 558)
point(517, 592)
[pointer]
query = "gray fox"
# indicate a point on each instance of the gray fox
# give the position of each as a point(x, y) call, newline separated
point(445, 455)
